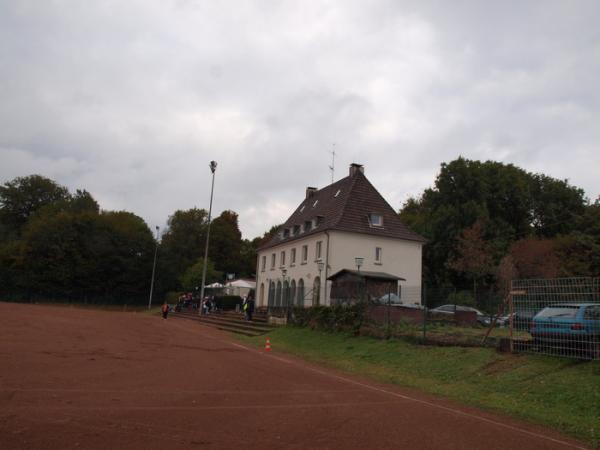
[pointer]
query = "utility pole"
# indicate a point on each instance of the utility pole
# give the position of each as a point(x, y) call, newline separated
point(213, 167)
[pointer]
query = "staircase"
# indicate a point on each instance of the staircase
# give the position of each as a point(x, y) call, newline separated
point(229, 321)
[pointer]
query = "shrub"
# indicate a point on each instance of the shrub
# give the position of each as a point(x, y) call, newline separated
point(228, 301)
point(331, 318)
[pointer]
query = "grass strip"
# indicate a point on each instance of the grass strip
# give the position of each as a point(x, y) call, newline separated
point(557, 392)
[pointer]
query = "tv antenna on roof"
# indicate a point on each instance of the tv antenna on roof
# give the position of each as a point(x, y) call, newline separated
point(332, 166)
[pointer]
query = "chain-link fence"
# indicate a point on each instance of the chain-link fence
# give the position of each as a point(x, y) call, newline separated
point(440, 315)
point(558, 316)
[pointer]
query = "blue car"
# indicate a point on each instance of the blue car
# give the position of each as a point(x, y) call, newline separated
point(573, 326)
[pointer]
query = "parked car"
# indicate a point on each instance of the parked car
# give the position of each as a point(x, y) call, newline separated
point(482, 318)
point(391, 299)
point(574, 326)
point(394, 300)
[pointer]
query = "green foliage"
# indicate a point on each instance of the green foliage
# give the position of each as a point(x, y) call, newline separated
point(464, 298)
point(192, 277)
point(23, 196)
point(227, 302)
point(512, 203)
point(331, 318)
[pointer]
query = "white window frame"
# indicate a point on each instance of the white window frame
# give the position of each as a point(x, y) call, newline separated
point(379, 224)
point(282, 258)
point(378, 255)
point(304, 254)
point(293, 256)
point(263, 263)
point(318, 250)
point(273, 260)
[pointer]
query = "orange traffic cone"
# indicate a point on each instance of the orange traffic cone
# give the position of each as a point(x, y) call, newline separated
point(268, 345)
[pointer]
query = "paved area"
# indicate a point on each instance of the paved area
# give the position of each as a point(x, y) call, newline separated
point(76, 378)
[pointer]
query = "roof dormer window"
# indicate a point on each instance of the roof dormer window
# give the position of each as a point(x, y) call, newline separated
point(307, 225)
point(375, 220)
point(286, 233)
point(296, 230)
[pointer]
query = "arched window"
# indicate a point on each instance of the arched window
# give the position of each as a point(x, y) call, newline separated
point(292, 295)
point(316, 291)
point(300, 293)
point(278, 294)
point(261, 298)
point(286, 293)
point(272, 294)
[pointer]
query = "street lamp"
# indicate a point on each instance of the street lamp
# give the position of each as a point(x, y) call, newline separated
point(320, 266)
point(153, 269)
point(359, 262)
point(213, 167)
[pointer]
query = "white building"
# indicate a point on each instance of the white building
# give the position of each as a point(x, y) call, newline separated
point(326, 233)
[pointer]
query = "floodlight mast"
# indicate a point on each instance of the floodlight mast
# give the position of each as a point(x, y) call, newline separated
point(213, 168)
point(153, 270)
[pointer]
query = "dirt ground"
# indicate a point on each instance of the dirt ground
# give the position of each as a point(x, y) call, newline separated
point(79, 378)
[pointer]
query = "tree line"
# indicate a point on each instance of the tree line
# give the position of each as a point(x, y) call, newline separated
point(488, 222)
point(485, 224)
point(59, 245)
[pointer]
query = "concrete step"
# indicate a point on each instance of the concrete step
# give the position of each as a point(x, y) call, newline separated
point(232, 324)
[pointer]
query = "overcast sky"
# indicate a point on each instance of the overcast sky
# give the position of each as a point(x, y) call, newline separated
point(132, 99)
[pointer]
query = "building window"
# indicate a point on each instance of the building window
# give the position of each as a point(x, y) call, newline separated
point(282, 258)
point(378, 255)
point(318, 250)
point(307, 225)
point(296, 230)
point(286, 233)
point(293, 256)
point(263, 262)
point(273, 261)
point(375, 220)
point(304, 254)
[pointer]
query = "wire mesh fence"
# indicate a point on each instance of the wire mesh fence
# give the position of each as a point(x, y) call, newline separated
point(558, 316)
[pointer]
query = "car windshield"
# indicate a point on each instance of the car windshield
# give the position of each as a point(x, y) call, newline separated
point(559, 311)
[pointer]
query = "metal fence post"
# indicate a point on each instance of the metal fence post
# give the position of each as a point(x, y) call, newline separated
point(424, 295)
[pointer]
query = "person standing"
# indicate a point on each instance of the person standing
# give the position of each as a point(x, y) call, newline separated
point(165, 310)
point(250, 305)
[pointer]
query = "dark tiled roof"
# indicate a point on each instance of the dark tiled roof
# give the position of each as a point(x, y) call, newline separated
point(348, 211)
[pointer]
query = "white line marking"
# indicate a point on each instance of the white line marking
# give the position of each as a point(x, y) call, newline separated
point(412, 399)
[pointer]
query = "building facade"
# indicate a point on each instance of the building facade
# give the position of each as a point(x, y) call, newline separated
point(329, 230)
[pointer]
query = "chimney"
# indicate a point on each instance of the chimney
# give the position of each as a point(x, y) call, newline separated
point(355, 168)
point(310, 191)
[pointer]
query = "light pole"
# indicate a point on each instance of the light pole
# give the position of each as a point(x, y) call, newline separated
point(153, 269)
point(213, 167)
point(320, 266)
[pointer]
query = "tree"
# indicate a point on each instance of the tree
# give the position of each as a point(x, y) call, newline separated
point(22, 197)
point(192, 277)
point(226, 243)
point(181, 245)
point(473, 254)
point(535, 258)
point(514, 203)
